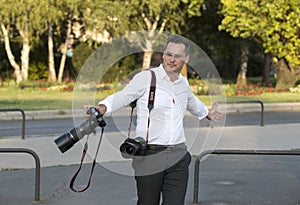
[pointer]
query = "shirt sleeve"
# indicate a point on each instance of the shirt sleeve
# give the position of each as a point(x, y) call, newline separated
point(132, 91)
point(196, 107)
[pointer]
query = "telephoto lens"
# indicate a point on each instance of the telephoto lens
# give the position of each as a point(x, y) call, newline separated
point(67, 140)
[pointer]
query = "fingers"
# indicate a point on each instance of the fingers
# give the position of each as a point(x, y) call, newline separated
point(214, 115)
point(217, 116)
point(101, 108)
point(86, 108)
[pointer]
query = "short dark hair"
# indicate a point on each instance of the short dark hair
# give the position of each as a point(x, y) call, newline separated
point(175, 38)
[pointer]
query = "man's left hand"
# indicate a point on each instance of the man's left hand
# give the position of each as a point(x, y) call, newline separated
point(214, 115)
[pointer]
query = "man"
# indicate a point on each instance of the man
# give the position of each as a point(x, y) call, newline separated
point(163, 171)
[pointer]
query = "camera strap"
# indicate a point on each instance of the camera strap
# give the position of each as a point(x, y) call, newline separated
point(85, 149)
point(151, 98)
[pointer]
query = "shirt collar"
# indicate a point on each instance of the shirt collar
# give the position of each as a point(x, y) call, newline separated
point(164, 74)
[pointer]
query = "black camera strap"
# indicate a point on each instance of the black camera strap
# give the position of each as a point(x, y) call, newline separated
point(151, 98)
point(85, 149)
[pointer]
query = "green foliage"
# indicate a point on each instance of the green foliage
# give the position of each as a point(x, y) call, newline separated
point(252, 89)
point(274, 24)
point(34, 84)
point(5, 72)
point(193, 7)
point(115, 17)
point(19, 13)
point(118, 16)
point(120, 71)
point(100, 15)
point(81, 52)
point(38, 71)
point(169, 12)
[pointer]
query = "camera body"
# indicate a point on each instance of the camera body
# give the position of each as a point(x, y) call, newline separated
point(66, 141)
point(133, 147)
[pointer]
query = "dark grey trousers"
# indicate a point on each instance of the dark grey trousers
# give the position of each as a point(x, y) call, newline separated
point(168, 177)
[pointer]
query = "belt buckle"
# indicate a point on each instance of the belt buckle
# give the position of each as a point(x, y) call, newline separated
point(175, 147)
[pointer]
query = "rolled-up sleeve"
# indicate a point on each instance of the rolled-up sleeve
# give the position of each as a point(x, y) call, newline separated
point(196, 107)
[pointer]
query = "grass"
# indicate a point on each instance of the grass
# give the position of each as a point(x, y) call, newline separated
point(59, 100)
point(265, 98)
point(280, 97)
point(29, 99)
point(34, 99)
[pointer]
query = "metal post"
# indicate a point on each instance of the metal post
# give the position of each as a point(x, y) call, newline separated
point(196, 175)
point(37, 167)
point(247, 101)
point(232, 152)
point(23, 117)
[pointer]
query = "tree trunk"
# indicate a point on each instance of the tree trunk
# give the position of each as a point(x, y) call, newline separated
point(64, 52)
point(10, 55)
point(25, 58)
point(51, 63)
point(25, 49)
point(151, 26)
point(266, 69)
point(242, 76)
point(147, 59)
point(287, 76)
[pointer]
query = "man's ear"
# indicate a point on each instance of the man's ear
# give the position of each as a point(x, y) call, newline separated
point(187, 59)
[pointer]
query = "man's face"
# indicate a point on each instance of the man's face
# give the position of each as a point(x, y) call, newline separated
point(174, 57)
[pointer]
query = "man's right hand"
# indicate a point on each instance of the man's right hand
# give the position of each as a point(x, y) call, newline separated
point(101, 108)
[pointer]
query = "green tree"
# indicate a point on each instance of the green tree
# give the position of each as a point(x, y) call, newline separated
point(52, 16)
point(80, 54)
point(159, 16)
point(10, 13)
point(118, 17)
point(72, 13)
point(20, 19)
point(58, 17)
point(274, 25)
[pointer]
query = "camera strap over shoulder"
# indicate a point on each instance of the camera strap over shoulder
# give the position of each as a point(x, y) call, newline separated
point(151, 98)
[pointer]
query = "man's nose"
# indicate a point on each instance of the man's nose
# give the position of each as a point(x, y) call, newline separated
point(172, 58)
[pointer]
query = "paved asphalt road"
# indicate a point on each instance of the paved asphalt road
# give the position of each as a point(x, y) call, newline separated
point(53, 127)
point(227, 180)
point(224, 180)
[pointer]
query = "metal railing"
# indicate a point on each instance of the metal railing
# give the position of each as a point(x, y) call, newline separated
point(37, 167)
point(232, 152)
point(246, 102)
point(23, 117)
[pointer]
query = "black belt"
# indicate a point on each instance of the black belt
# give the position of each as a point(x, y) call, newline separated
point(166, 147)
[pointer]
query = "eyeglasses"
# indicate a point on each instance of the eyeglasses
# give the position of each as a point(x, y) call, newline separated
point(176, 56)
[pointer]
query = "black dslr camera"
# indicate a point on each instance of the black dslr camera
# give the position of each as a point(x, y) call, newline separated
point(66, 141)
point(133, 147)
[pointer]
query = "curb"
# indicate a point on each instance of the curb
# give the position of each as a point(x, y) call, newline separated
point(268, 107)
point(67, 114)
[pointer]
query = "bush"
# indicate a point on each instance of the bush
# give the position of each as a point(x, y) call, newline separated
point(38, 71)
point(81, 53)
point(250, 89)
point(295, 90)
point(198, 86)
point(46, 86)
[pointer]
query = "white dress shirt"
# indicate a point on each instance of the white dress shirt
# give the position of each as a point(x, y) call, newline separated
point(172, 99)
